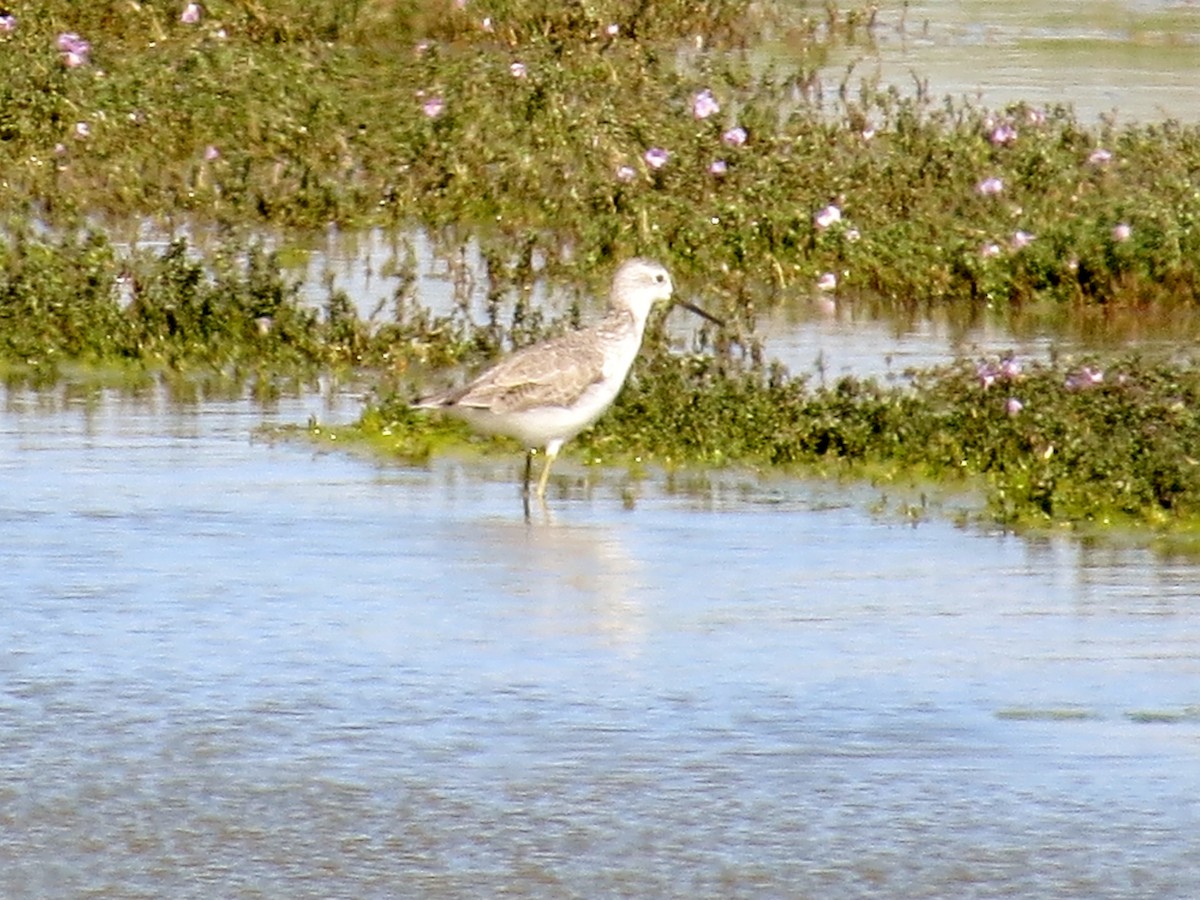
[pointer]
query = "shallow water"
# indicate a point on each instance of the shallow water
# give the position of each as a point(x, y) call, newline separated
point(242, 668)
point(1133, 59)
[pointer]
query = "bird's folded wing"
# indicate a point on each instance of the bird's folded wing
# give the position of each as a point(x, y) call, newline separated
point(551, 374)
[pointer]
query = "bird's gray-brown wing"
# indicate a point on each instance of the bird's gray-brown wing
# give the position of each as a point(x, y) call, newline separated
point(553, 373)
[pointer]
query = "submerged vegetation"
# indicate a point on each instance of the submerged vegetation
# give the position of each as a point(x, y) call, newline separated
point(557, 137)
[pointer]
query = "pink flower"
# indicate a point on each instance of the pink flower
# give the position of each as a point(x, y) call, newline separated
point(988, 373)
point(868, 132)
point(433, 106)
point(1013, 406)
point(211, 153)
point(734, 137)
point(704, 104)
point(989, 187)
point(990, 250)
point(1003, 135)
point(69, 41)
point(828, 216)
point(518, 70)
point(74, 49)
point(191, 14)
point(1099, 157)
point(1085, 378)
point(8, 23)
point(827, 282)
point(656, 157)
point(613, 30)
point(1121, 233)
point(718, 167)
point(1021, 239)
point(626, 174)
point(82, 130)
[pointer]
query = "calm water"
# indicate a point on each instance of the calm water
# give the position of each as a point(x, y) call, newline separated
point(1132, 59)
point(237, 668)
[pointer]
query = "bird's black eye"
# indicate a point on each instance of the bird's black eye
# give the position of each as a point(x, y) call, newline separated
point(659, 278)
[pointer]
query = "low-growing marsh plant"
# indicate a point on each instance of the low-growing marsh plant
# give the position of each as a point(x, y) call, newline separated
point(1048, 443)
point(599, 130)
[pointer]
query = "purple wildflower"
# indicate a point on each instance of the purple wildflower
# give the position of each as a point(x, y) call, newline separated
point(1003, 135)
point(828, 216)
point(734, 137)
point(626, 174)
point(518, 70)
point(433, 106)
point(211, 153)
point(1013, 406)
point(827, 282)
point(74, 49)
point(989, 187)
point(1009, 368)
point(989, 373)
point(1021, 239)
point(8, 23)
point(1121, 233)
point(1099, 157)
point(718, 167)
point(704, 104)
point(191, 14)
point(656, 157)
point(990, 250)
point(1085, 378)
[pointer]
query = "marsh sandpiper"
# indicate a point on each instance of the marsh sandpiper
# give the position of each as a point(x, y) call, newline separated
point(545, 394)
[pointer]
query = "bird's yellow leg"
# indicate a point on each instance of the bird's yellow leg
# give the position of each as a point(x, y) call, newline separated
point(551, 454)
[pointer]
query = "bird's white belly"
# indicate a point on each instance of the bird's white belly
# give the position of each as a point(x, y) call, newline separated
point(538, 426)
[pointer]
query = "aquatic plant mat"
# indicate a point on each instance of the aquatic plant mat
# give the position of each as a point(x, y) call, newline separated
point(555, 139)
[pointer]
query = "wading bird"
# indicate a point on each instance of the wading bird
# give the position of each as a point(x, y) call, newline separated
point(545, 394)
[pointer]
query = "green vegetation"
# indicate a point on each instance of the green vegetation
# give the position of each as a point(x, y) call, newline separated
point(558, 137)
point(1048, 443)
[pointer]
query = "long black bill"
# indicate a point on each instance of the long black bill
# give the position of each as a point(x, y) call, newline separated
point(690, 307)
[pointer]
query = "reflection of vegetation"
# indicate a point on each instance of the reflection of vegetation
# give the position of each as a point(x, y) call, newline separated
point(559, 137)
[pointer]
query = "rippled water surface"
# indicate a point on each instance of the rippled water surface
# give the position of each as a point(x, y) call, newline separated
point(1132, 59)
point(239, 668)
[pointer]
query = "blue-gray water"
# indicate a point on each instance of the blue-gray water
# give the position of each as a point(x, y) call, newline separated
point(242, 669)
